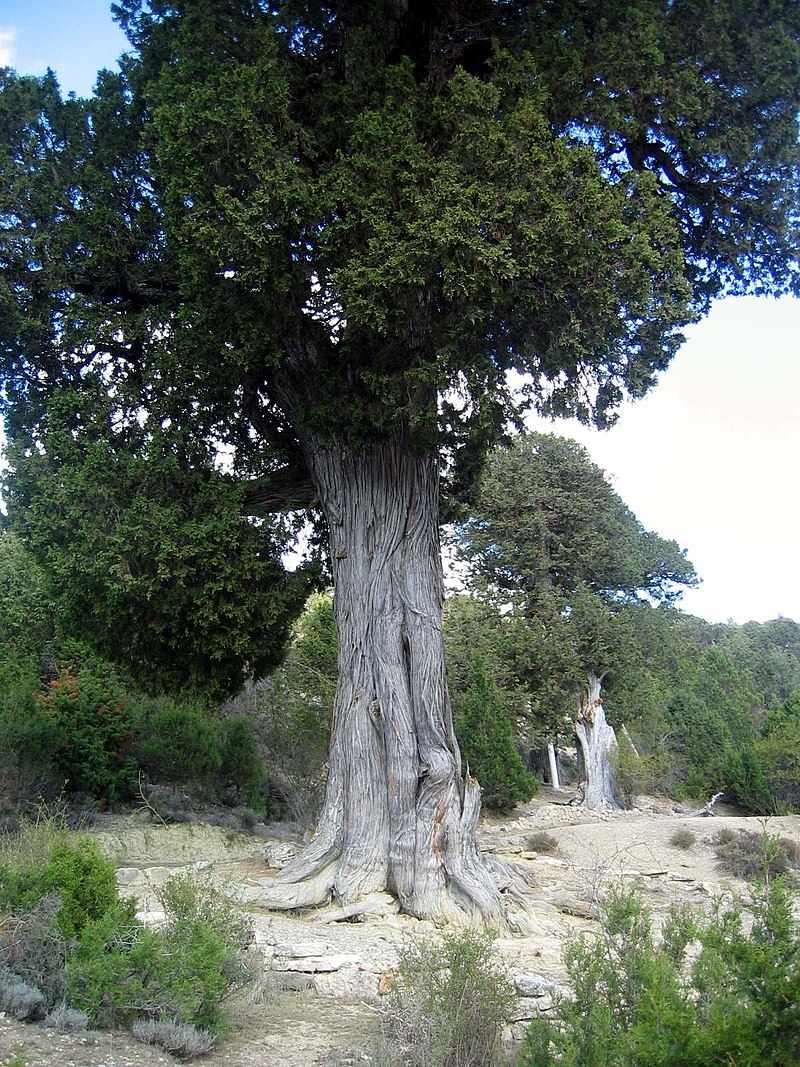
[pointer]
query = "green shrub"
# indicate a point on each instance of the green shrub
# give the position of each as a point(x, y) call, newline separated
point(28, 742)
point(46, 859)
point(779, 755)
point(486, 737)
point(91, 728)
point(241, 768)
point(448, 1004)
point(122, 970)
point(179, 744)
point(639, 1003)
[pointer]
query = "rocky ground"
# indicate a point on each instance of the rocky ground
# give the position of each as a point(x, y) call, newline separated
point(327, 971)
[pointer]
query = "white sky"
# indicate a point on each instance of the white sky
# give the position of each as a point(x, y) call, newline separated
point(709, 458)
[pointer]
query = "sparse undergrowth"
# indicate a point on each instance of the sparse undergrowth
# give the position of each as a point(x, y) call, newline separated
point(448, 1005)
point(746, 854)
point(711, 990)
point(683, 838)
point(72, 953)
point(541, 841)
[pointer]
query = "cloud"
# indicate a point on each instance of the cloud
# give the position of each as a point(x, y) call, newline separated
point(8, 38)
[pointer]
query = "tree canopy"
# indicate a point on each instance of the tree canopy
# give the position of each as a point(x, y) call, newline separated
point(294, 217)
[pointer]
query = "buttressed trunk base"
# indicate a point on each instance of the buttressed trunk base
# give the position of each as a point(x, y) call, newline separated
point(397, 814)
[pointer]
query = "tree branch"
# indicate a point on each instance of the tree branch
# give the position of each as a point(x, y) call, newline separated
point(287, 489)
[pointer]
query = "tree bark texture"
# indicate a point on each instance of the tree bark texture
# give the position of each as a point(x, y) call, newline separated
point(597, 741)
point(397, 813)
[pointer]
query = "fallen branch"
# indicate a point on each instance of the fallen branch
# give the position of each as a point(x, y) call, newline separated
point(706, 811)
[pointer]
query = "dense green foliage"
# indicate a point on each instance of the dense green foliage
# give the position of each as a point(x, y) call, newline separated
point(641, 1002)
point(56, 862)
point(122, 971)
point(281, 227)
point(70, 720)
point(488, 747)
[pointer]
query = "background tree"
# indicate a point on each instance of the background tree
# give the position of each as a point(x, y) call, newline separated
point(551, 537)
point(487, 741)
point(323, 236)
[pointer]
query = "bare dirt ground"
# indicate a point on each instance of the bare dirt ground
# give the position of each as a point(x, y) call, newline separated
point(338, 968)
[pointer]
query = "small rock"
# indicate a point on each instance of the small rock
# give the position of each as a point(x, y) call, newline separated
point(349, 983)
point(533, 985)
point(278, 854)
point(158, 875)
point(154, 919)
point(129, 876)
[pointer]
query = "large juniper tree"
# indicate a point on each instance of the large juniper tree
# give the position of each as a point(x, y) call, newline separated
point(321, 234)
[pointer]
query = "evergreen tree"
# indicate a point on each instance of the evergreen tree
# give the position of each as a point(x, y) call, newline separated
point(321, 235)
point(487, 741)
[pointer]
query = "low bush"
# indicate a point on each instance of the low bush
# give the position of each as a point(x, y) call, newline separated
point(70, 948)
point(181, 1039)
point(45, 857)
point(179, 744)
point(91, 726)
point(66, 1019)
point(448, 1004)
point(241, 770)
point(33, 947)
point(638, 1002)
point(684, 838)
point(20, 999)
point(541, 841)
point(122, 970)
point(746, 854)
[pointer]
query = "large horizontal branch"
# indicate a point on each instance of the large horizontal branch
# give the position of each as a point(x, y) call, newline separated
point(137, 294)
point(287, 489)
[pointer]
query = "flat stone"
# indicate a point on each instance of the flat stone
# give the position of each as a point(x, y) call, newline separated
point(526, 1008)
point(155, 919)
point(158, 875)
point(298, 949)
point(318, 964)
point(533, 985)
point(349, 983)
point(129, 876)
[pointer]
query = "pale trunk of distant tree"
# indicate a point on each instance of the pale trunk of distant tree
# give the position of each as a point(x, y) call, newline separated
point(551, 755)
point(597, 742)
point(397, 814)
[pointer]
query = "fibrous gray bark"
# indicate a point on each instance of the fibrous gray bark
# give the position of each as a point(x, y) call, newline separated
point(597, 742)
point(397, 813)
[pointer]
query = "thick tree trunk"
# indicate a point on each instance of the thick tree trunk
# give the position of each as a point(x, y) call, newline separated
point(597, 741)
point(397, 813)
